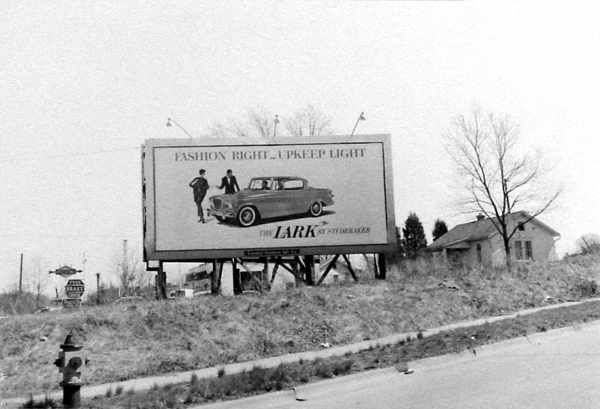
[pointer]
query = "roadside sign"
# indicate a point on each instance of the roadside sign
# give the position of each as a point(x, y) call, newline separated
point(74, 288)
point(65, 271)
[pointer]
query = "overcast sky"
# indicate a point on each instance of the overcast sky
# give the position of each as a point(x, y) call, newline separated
point(83, 84)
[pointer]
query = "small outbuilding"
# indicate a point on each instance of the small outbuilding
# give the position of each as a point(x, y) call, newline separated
point(479, 242)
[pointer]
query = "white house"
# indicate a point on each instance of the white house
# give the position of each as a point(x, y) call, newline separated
point(480, 242)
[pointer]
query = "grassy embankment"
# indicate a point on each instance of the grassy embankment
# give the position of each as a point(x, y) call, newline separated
point(150, 338)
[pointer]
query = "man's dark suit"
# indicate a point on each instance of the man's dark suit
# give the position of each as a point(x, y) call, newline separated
point(231, 185)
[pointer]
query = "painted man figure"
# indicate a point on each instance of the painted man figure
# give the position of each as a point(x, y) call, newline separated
point(230, 184)
point(200, 186)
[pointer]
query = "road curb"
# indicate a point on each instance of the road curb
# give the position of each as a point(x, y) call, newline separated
point(143, 384)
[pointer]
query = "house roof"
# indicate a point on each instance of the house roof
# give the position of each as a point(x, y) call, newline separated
point(459, 236)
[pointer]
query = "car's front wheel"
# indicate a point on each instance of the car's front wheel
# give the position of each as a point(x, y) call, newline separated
point(316, 209)
point(247, 216)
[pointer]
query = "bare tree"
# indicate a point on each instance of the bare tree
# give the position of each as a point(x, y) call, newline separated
point(494, 176)
point(308, 122)
point(259, 123)
point(262, 123)
point(38, 277)
point(589, 244)
point(126, 265)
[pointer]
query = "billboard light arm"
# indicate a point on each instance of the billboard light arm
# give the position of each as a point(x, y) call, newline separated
point(169, 120)
point(361, 117)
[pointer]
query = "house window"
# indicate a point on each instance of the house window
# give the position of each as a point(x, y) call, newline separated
point(521, 227)
point(518, 250)
point(479, 256)
point(528, 250)
point(523, 250)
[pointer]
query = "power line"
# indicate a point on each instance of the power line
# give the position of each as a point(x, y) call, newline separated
point(67, 155)
point(66, 236)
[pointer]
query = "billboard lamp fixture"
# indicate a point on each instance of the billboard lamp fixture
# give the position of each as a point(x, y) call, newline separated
point(361, 117)
point(169, 121)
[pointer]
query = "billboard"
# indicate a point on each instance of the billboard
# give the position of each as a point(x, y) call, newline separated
point(224, 198)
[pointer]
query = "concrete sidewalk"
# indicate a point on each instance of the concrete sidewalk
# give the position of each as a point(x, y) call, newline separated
point(144, 384)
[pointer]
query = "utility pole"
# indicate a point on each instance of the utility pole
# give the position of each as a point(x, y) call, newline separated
point(84, 295)
point(98, 286)
point(21, 276)
point(125, 270)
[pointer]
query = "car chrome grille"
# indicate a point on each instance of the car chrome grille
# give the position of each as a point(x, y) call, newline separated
point(217, 203)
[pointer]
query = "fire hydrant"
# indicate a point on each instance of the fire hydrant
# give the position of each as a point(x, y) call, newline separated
point(71, 363)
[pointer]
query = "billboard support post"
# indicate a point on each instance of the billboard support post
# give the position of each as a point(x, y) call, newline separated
point(264, 279)
point(215, 277)
point(297, 269)
point(161, 282)
point(237, 278)
point(309, 268)
point(381, 266)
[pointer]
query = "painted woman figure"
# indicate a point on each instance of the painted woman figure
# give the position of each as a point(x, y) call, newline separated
point(200, 186)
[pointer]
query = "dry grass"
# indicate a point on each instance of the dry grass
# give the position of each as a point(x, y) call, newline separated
point(150, 338)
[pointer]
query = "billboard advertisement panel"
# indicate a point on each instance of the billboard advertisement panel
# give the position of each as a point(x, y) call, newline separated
point(223, 198)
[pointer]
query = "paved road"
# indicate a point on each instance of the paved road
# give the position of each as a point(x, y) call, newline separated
point(558, 369)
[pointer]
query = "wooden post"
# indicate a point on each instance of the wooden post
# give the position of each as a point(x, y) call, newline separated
point(215, 287)
point(274, 273)
point(237, 278)
point(161, 277)
point(375, 266)
point(97, 287)
point(21, 275)
point(264, 279)
point(309, 269)
point(297, 273)
point(382, 267)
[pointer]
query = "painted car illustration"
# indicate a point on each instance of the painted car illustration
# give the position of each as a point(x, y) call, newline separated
point(268, 197)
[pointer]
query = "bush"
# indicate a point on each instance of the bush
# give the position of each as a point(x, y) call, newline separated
point(586, 288)
point(13, 303)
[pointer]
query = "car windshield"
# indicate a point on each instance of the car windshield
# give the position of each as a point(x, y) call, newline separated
point(261, 184)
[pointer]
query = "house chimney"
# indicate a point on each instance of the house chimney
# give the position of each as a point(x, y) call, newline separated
point(480, 216)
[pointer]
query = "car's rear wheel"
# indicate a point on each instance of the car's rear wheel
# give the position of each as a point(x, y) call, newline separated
point(316, 209)
point(247, 216)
